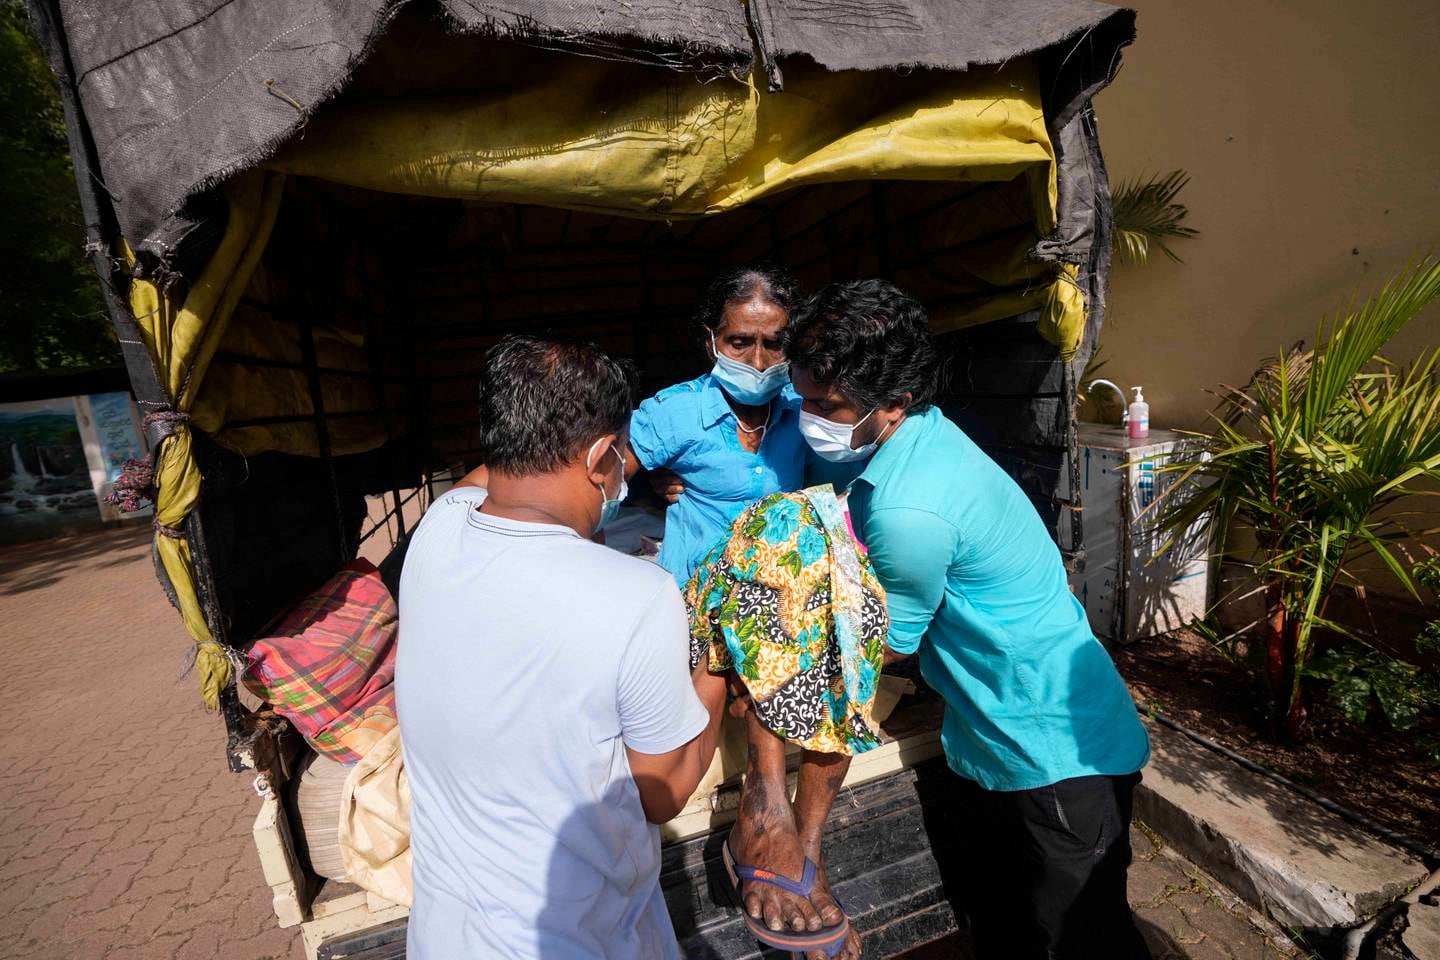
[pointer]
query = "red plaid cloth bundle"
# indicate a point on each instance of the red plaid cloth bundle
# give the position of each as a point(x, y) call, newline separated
point(329, 667)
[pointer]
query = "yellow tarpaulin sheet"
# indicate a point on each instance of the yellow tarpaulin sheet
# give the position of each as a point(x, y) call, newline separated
point(182, 336)
point(628, 141)
point(616, 138)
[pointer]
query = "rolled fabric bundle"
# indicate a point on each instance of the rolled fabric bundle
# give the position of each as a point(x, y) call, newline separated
point(789, 602)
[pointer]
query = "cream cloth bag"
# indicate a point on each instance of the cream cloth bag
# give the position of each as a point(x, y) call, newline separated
point(375, 822)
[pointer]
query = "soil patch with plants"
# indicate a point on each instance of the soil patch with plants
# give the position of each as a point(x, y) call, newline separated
point(1389, 775)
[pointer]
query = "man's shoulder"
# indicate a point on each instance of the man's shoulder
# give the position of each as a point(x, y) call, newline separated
point(446, 511)
point(933, 460)
point(459, 498)
point(937, 477)
point(624, 579)
point(946, 432)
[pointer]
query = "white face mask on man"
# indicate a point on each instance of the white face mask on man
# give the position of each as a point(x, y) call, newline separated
point(832, 441)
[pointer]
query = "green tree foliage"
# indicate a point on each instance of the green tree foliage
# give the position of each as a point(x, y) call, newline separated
point(51, 310)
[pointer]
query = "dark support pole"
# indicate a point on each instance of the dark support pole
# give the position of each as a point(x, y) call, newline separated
point(372, 349)
point(101, 227)
point(641, 327)
point(1075, 505)
point(882, 228)
point(322, 429)
point(418, 429)
point(102, 231)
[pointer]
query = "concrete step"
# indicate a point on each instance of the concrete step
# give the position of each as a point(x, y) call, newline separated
point(1304, 866)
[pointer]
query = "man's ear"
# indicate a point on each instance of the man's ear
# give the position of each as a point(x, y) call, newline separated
point(598, 457)
point(902, 404)
point(895, 413)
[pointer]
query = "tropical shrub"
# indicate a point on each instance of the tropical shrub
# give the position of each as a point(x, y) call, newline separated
point(1318, 458)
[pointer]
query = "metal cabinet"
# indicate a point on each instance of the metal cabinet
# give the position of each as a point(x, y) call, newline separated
point(1128, 592)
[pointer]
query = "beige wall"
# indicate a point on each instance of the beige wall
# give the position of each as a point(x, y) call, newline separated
point(1311, 130)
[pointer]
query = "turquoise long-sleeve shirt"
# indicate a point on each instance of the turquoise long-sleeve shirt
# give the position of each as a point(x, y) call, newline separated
point(975, 583)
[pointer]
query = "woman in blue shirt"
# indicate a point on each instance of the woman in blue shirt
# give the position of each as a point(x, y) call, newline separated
point(731, 436)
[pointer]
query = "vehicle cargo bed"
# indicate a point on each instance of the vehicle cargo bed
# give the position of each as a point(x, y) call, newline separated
point(885, 843)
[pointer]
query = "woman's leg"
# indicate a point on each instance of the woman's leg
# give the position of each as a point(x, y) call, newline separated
point(821, 775)
point(765, 834)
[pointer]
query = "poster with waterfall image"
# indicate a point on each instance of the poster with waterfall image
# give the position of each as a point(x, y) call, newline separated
point(45, 484)
point(117, 434)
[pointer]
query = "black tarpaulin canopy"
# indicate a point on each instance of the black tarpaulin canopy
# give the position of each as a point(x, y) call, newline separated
point(180, 94)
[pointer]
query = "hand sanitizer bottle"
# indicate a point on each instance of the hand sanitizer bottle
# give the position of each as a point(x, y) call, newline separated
point(1139, 416)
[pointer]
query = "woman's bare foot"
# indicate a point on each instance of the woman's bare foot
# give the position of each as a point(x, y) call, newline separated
point(822, 895)
point(765, 837)
point(821, 775)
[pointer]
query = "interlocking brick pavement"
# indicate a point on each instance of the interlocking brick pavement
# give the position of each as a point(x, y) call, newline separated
point(125, 835)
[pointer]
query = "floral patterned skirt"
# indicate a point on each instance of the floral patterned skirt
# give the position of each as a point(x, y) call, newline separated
point(790, 603)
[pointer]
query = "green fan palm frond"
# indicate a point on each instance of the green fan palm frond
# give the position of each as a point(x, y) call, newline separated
point(1146, 213)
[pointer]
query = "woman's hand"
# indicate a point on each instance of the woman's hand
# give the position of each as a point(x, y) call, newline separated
point(667, 485)
point(739, 695)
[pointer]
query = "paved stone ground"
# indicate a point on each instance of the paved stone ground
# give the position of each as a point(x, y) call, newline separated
point(1182, 913)
point(126, 836)
point(1185, 915)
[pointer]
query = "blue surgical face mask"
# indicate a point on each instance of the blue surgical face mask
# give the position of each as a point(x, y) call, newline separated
point(746, 384)
point(610, 509)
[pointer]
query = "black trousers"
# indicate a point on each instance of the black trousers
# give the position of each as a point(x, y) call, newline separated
point(1043, 870)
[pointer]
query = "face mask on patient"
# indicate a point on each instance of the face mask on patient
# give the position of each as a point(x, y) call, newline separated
point(746, 384)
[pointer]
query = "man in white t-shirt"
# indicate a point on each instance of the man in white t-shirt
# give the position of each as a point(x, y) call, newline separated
point(548, 715)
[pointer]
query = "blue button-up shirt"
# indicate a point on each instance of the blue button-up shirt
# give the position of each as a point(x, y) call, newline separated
point(976, 584)
point(689, 428)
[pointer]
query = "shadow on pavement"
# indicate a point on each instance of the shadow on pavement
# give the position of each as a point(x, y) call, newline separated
point(31, 566)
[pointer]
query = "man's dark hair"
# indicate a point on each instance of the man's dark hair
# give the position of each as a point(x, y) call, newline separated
point(542, 402)
point(767, 281)
point(871, 341)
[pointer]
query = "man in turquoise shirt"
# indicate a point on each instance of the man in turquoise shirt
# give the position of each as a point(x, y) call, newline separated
point(1038, 723)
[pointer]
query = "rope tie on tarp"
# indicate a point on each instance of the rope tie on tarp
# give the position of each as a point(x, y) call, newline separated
point(135, 486)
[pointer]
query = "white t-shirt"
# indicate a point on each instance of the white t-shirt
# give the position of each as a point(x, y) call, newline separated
point(529, 658)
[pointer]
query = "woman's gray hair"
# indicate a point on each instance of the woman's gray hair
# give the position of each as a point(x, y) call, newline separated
point(766, 281)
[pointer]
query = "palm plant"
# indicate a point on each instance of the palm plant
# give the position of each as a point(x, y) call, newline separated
point(1313, 457)
point(1146, 213)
